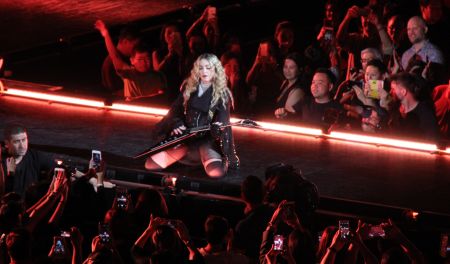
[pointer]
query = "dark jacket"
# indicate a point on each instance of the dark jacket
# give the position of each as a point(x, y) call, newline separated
point(196, 113)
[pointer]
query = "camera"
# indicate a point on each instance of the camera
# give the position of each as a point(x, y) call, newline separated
point(376, 231)
point(344, 228)
point(278, 242)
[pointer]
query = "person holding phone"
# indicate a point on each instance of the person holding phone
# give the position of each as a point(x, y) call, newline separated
point(281, 242)
point(140, 80)
point(374, 93)
point(205, 101)
point(263, 76)
point(169, 57)
point(208, 25)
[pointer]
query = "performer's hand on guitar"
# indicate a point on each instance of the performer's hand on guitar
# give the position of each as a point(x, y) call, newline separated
point(178, 131)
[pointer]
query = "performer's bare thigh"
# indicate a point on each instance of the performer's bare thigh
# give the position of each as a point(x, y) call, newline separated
point(164, 159)
point(211, 160)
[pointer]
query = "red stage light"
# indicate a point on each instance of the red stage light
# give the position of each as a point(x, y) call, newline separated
point(366, 139)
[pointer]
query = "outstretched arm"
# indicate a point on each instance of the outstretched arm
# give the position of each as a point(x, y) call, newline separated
point(112, 51)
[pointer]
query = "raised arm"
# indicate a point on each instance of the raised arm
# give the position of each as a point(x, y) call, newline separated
point(342, 33)
point(198, 23)
point(112, 51)
point(386, 42)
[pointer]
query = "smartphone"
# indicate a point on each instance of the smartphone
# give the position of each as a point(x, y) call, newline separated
point(104, 233)
point(376, 231)
point(57, 172)
point(212, 12)
point(278, 242)
point(59, 249)
point(264, 49)
point(344, 228)
point(121, 198)
point(374, 85)
point(328, 34)
point(96, 158)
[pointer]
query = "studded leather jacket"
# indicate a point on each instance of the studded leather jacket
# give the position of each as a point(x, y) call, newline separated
point(199, 112)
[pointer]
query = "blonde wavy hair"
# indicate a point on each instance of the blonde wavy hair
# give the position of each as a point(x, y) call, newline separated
point(219, 81)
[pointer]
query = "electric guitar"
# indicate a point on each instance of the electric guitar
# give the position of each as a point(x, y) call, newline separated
point(189, 133)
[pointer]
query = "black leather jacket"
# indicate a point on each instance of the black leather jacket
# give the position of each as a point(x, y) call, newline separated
point(200, 112)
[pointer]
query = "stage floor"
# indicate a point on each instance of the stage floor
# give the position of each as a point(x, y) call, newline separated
point(340, 169)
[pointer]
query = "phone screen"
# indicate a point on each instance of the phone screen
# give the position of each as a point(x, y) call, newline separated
point(374, 85)
point(376, 231)
point(278, 241)
point(344, 227)
point(96, 157)
point(328, 34)
point(104, 233)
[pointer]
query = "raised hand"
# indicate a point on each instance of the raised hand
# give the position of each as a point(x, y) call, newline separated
point(100, 26)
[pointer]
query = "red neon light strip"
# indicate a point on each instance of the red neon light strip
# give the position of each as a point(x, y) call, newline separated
point(263, 125)
point(138, 109)
point(55, 98)
point(383, 141)
point(290, 128)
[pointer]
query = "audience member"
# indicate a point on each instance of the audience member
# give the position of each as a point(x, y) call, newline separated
point(169, 57)
point(284, 182)
point(139, 79)
point(248, 231)
point(284, 41)
point(22, 166)
point(128, 39)
point(321, 110)
point(416, 118)
point(422, 49)
point(264, 79)
point(299, 247)
point(218, 235)
point(236, 81)
point(293, 89)
point(355, 42)
point(208, 25)
point(441, 98)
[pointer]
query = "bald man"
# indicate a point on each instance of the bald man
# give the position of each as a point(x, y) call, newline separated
point(421, 48)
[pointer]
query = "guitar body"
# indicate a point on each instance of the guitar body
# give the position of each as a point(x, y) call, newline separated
point(172, 141)
point(190, 133)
